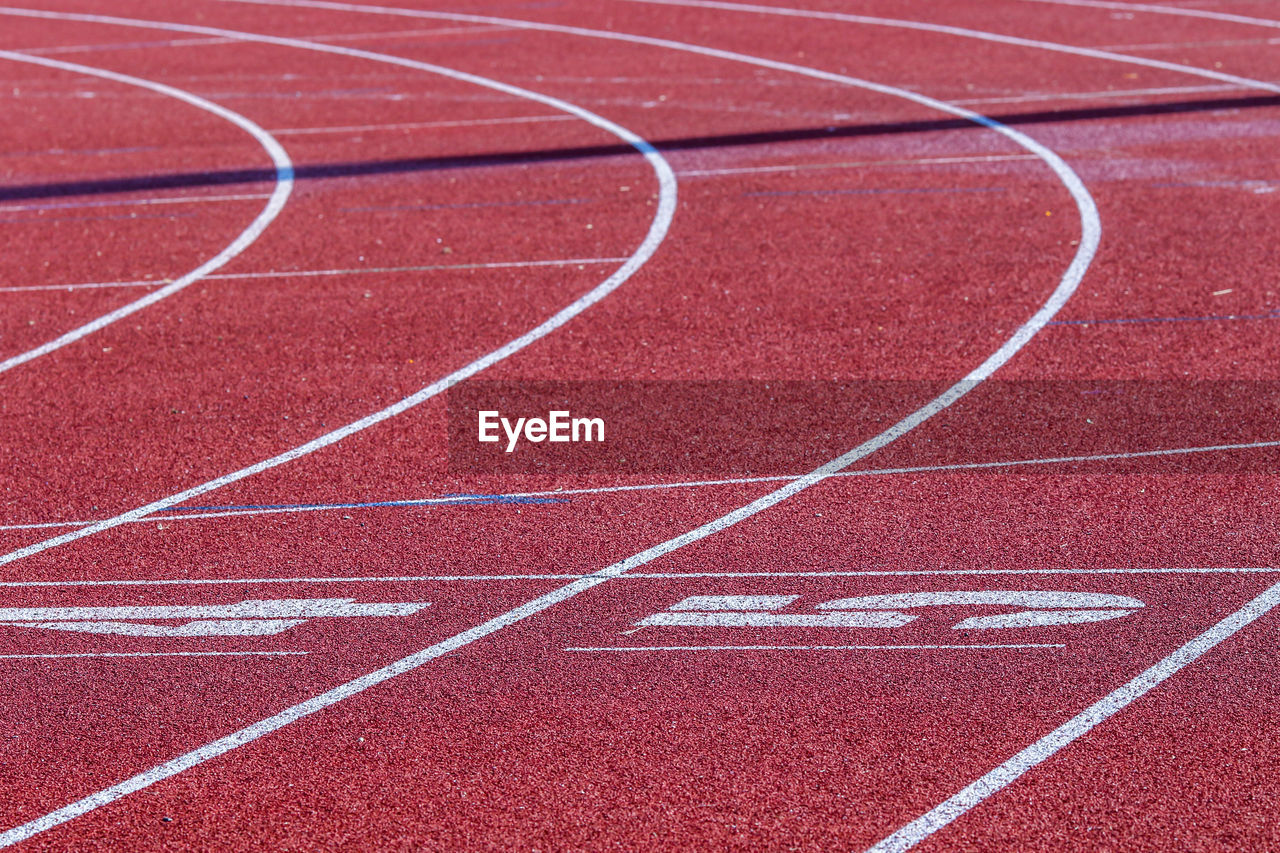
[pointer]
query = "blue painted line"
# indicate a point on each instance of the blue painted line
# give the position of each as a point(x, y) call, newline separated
point(446, 500)
point(1274, 315)
point(878, 191)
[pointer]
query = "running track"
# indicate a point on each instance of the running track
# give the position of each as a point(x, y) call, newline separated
point(1004, 581)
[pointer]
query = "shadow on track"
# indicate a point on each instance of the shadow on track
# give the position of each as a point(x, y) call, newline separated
point(428, 164)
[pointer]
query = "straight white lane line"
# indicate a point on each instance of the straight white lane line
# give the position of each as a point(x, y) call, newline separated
point(418, 125)
point(1182, 11)
point(1036, 97)
point(800, 167)
point(664, 211)
point(868, 573)
point(149, 655)
point(1091, 231)
point(1010, 771)
point(252, 581)
point(276, 202)
point(808, 648)
point(488, 265)
point(395, 34)
point(963, 32)
point(128, 202)
point(686, 484)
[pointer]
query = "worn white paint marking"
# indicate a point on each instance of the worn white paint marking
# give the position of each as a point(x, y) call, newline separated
point(198, 628)
point(303, 608)
point(275, 203)
point(734, 602)
point(743, 619)
point(664, 211)
point(879, 611)
point(253, 618)
point(1009, 598)
point(1039, 618)
point(809, 648)
point(147, 655)
point(484, 265)
point(1088, 244)
point(1010, 771)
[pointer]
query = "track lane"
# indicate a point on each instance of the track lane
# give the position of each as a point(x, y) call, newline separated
point(664, 212)
point(275, 203)
point(1024, 333)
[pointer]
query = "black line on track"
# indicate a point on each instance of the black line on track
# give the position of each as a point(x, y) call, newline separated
point(181, 180)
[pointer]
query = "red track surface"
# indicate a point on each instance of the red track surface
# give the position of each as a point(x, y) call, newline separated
point(905, 246)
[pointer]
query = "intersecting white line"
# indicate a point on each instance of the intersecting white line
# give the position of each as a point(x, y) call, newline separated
point(484, 265)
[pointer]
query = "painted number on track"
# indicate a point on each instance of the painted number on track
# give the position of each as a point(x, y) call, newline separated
point(1039, 608)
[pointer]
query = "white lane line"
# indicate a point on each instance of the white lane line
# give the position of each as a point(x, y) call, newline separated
point(1186, 44)
point(284, 185)
point(395, 34)
point(147, 655)
point(1165, 10)
point(664, 211)
point(942, 815)
point(919, 161)
point(220, 581)
point(808, 648)
point(1036, 97)
point(128, 202)
point(1091, 230)
point(417, 125)
point(869, 573)
point(1084, 722)
point(686, 484)
point(488, 265)
point(932, 572)
point(963, 32)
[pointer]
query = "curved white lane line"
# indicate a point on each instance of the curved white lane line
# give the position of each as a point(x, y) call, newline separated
point(275, 203)
point(1091, 227)
point(953, 807)
point(1165, 10)
point(962, 32)
point(653, 238)
point(1090, 234)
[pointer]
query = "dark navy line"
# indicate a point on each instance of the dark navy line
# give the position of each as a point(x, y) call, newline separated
point(1275, 315)
point(446, 500)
